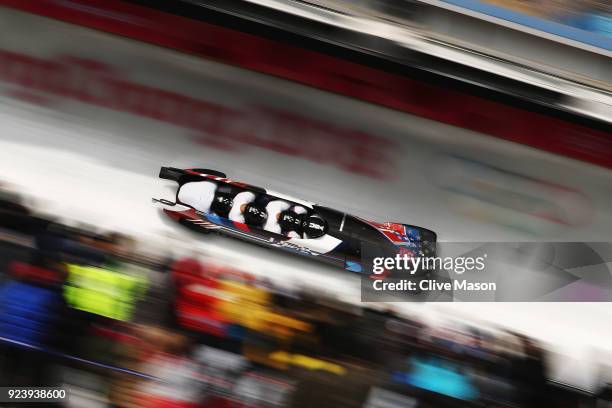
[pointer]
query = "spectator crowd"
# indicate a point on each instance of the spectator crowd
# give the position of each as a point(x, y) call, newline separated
point(84, 310)
point(590, 15)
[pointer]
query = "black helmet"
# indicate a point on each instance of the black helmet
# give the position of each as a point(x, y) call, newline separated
point(255, 215)
point(290, 221)
point(222, 204)
point(314, 227)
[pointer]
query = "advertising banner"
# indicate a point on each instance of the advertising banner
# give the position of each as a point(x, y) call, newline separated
point(519, 121)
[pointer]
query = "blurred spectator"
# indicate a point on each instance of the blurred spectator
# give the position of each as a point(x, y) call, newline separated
point(30, 304)
point(589, 15)
point(593, 15)
point(529, 374)
point(532, 7)
point(149, 346)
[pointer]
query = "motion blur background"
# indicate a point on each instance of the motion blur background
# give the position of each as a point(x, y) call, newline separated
point(483, 121)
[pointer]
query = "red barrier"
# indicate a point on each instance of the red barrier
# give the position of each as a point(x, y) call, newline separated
point(331, 74)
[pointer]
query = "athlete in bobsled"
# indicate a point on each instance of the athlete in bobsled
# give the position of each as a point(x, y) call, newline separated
point(276, 216)
point(208, 201)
